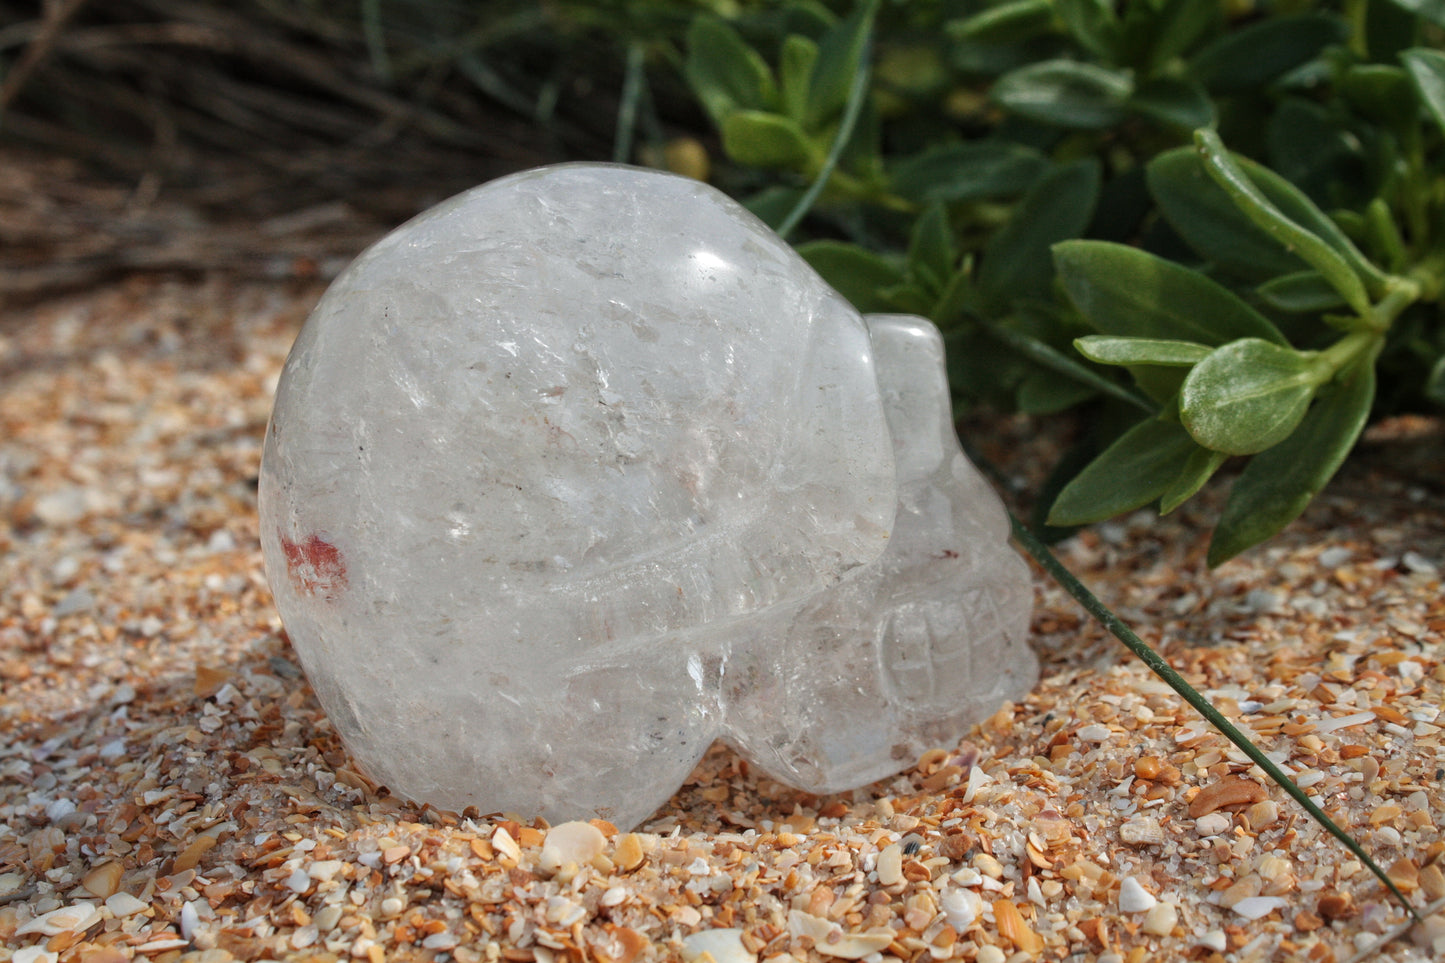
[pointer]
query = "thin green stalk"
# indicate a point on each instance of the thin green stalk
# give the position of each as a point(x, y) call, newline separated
point(1049, 357)
point(1380, 221)
point(627, 104)
point(375, 35)
point(1399, 295)
point(857, 95)
point(1175, 681)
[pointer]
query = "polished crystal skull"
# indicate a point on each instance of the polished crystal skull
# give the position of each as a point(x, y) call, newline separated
point(584, 469)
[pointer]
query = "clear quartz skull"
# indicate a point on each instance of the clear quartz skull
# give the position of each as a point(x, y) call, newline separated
point(584, 469)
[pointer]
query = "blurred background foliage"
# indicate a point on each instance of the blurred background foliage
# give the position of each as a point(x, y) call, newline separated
point(1215, 229)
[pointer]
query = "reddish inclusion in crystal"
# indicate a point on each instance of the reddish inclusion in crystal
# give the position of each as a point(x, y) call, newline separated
point(315, 566)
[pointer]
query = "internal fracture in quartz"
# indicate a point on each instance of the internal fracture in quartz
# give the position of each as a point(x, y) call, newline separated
point(585, 468)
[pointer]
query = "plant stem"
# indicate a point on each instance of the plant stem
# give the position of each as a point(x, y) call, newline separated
point(1175, 681)
point(857, 94)
point(1400, 293)
point(1046, 355)
point(627, 104)
point(1340, 355)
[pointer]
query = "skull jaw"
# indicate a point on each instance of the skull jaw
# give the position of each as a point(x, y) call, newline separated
point(909, 652)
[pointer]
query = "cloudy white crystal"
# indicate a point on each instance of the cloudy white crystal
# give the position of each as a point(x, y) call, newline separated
point(585, 468)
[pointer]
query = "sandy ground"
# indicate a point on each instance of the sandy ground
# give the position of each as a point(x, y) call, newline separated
point(169, 788)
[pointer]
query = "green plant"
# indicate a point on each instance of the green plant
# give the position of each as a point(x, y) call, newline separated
point(1047, 180)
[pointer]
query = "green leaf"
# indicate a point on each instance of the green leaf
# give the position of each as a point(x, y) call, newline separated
point(1382, 92)
point(1045, 393)
point(1160, 384)
point(1110, 350)
point(1093, 24)
point(840, 57)
point(1180, 104)
point(1277, 485)
point(1132, 472)
point(1066, 93)
point(1177, 26)
point(1303, 292)
point(1435, 384)
point(758, 138)
point(1432, 10)
point(1005, 23)
point(1045, 354)
point(1254, 55)
point(1388, 29)
point(795, 67)
point(772, 204)
point(1200, 467)
point(1247, 396)
point(1342, 268)
point(957, 293)
point(1427, 73)
point(1293, 204)
point(965, 172)
point(907, 299)
point(1203, 215)
point(1310, 149)
point(931, 246)
point(857, 274)
point(1016, 260)
point(1122, 290)
point(724, 72)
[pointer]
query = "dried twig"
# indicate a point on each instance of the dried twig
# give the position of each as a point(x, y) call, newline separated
point(56, 17)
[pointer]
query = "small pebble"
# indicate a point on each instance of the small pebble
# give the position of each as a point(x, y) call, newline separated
point(990, 954)
point(34, 954)
point(1419, 564)
point(63, 507)
point(1214, 940)
point(988, 866)
point(1133, 897)
point(299, 881)
point(1141, 831)
point(1255, 907)
point(10, 882)
point(190, 919)
point(575, 843)
point(724, 945)
point(1213, 824)
point(1093, 733)
point(629, 852)
point(74, 602)
point(327, 917)
point(890, 865)
point(503, 843)
point(1161, 919)
point(324, 869)
point(68, 919)
point(1262, 814)
point(440, 941)
point(124, 904)
point(960, 907)
point(104, 880)
point(1430, 935)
